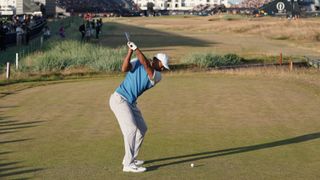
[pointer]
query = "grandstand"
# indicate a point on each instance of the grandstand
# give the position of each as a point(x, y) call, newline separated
point(253, 3)
point(291, 8)
point(129, 8)
point(97, 6)
point(309, 5)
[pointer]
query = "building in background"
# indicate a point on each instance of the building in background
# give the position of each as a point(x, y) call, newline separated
point(12, 7)
point(17, 7)
point(180, 4)
point(49, 6)
point(7, 7)
point(28, 7)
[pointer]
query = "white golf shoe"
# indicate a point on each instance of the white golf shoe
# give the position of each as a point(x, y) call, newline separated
point(134, 168)
point(136, 162)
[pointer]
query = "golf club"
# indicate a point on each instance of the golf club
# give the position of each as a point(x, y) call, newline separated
point(127, 36)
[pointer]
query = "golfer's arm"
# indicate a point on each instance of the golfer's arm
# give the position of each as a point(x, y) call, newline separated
point(126, 65)
point(146, 64)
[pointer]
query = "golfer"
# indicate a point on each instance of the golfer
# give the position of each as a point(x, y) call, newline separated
point(141, 76)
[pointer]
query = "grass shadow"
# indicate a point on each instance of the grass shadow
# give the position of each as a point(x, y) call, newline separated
point(8, 132)
point(14, 128)
point(6, 122)
point(146, 37)
point(112, 36)
point(8, 107)
point(230, 151)
point(5, 152)
point(7, 170)
point(14, 141)
point(2, 94)
point(13, 169)
point(14, 123)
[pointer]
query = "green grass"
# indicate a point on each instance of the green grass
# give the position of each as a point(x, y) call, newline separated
point(63, 56)
point(241, 124)
point(70, 24)
point(230, 127)
point(23, 51)
point(177, 36)
point(229, 17)
point(210, 60)
point(68, 54)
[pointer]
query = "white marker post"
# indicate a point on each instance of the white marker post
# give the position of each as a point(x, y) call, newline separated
point(290, 65)
point(17, 61)
point(41, 41)
point(8, 70)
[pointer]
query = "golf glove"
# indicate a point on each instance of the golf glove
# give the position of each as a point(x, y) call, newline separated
point(132, 46)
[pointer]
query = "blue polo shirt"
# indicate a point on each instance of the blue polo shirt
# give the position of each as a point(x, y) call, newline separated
point(137, 81)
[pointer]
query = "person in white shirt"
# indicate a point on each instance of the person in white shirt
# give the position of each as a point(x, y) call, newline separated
point(20, 33)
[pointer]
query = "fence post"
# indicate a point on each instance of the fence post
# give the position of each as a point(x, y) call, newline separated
point(17, 61)
point(280, 58)
point(290, 65)
point(8, 70)
point(41, 41)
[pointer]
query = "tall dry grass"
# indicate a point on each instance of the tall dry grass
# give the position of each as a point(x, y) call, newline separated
point(306, 76)
point(304, 29)
point(209, 60)
point(276, 28)
point(282, 29)
point(307, 29)
point(69, 54)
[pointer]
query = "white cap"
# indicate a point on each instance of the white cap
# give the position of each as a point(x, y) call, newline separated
point(164, 59)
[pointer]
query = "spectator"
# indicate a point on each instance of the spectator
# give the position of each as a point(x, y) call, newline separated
point(20, 33)
point(20, 26)
point(2, 37)
point(82, 30)
point(88, 31)
point(27, 34)
point(98, 28)
point(92, 26)
point(46, 33)
point(62, 32)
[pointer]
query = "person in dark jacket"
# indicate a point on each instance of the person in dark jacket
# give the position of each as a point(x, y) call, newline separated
point(82, 29)
point(2, 37)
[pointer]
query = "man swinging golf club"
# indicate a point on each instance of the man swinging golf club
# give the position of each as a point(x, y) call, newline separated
point(141, 76)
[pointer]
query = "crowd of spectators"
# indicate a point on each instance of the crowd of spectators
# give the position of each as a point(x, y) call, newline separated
point(253, 3)
point(24, 21)
point(82, 6)
point(20, 25)
point(89, 28)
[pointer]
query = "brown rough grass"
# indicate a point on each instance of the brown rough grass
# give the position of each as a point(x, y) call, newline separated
point(246, 36)
point(271, 27)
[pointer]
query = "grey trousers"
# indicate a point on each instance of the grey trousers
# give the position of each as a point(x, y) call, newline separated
point(132, 126)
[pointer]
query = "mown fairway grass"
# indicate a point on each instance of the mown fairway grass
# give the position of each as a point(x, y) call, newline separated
point(230, 127)
point(180, 36)
point(242, 124)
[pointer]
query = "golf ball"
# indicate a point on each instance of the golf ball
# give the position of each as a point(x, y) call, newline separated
point(192, 165)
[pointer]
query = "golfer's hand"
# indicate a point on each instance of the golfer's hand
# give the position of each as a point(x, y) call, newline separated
point(132, 46)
